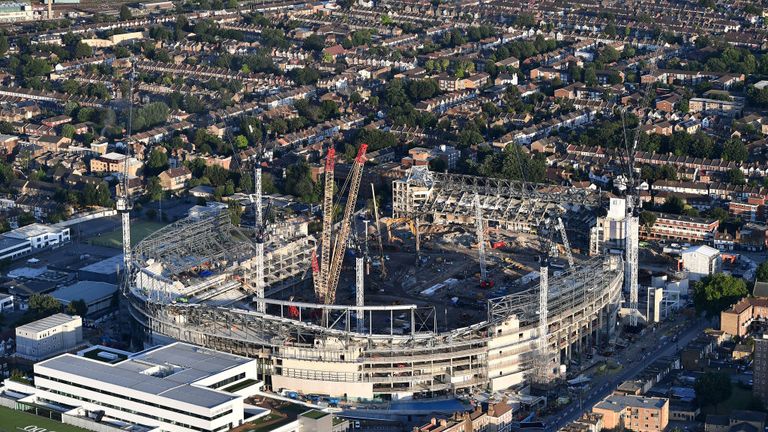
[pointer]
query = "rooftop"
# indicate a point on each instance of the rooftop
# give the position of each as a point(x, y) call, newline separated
point(705, 250)
point(88, 291)
point(32, 230)
point(621, 402)
point(47, 323)
point(169, 372)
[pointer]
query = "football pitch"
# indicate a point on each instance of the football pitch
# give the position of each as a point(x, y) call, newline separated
point(15, 421)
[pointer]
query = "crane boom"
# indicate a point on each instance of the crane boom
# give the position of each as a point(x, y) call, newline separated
point(566, 243)
point(325, 241)
point(346, 224)
point(378, 232)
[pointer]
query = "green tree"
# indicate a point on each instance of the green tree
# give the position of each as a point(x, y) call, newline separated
point(154, 189)
point(157, 161)
point(674, 204)
point(82, 50)
point(713, 388)
point(735, 150)
point(68, 131)
point(735, 176)
point(590, 76)
point(762, 272)
point(43, 305)
point(77, 307)
point(125, 13)
point(647, 220)
point(715, 293)
point(4, 46)
point(241, 142)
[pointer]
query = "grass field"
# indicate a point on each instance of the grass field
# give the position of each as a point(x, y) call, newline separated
point(139, 230)
point(14, 421)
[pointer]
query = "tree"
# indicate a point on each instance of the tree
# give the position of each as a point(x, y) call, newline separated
point(241, 142)
point(735, 176)
point(157, 162)
point(82, 50)
point(4, 46)
point(590, 76)
point(43, 305)
point(154, 189)
point(735, 150)
point(715, 293)
point(125, 13)
point(77, 307)
point(712, 388)
point(647, 219)
point(762, 272)
point(674, 204)
point(314, 43)
point(68, 131)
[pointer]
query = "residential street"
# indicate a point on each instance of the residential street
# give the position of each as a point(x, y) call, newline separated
point(602, 388)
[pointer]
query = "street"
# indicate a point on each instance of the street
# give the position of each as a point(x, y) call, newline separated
point(574, 410)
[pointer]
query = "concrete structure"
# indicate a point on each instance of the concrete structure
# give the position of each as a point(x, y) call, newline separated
point(635, 413)
point(49, 336)
point(175, 388)
point(701, 261)
point(609, 231)
point(299, 353)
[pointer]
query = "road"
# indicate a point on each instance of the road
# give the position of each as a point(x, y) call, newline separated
point(574, 410)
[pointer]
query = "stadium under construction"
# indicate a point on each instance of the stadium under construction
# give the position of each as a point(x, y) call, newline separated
point(247, 290)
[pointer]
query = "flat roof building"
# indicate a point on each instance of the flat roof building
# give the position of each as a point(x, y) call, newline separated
point(49, 336)
point(635, 413)
point(176, 388)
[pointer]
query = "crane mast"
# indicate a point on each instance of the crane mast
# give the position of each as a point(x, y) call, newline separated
point(123, 202)
point(325, 241)
point(346, 224)
point(378, 233)
point(480, 238)
point(261, 234)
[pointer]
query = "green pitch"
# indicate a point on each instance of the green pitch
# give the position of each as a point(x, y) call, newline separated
point(19, 421)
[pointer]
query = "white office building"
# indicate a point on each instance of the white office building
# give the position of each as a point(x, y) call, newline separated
point(701, 261)
point(173, 388)
point(39, 235)
point(49, 336)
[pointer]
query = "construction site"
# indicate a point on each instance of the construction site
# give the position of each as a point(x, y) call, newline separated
point(470, 284)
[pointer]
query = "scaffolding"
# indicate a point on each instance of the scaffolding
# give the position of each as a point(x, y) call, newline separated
point(443, 198)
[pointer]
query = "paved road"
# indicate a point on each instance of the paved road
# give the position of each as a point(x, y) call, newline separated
point(573, 411)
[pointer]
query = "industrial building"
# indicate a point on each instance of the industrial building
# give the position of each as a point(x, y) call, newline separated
point(98, 296)
point(49, 336)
